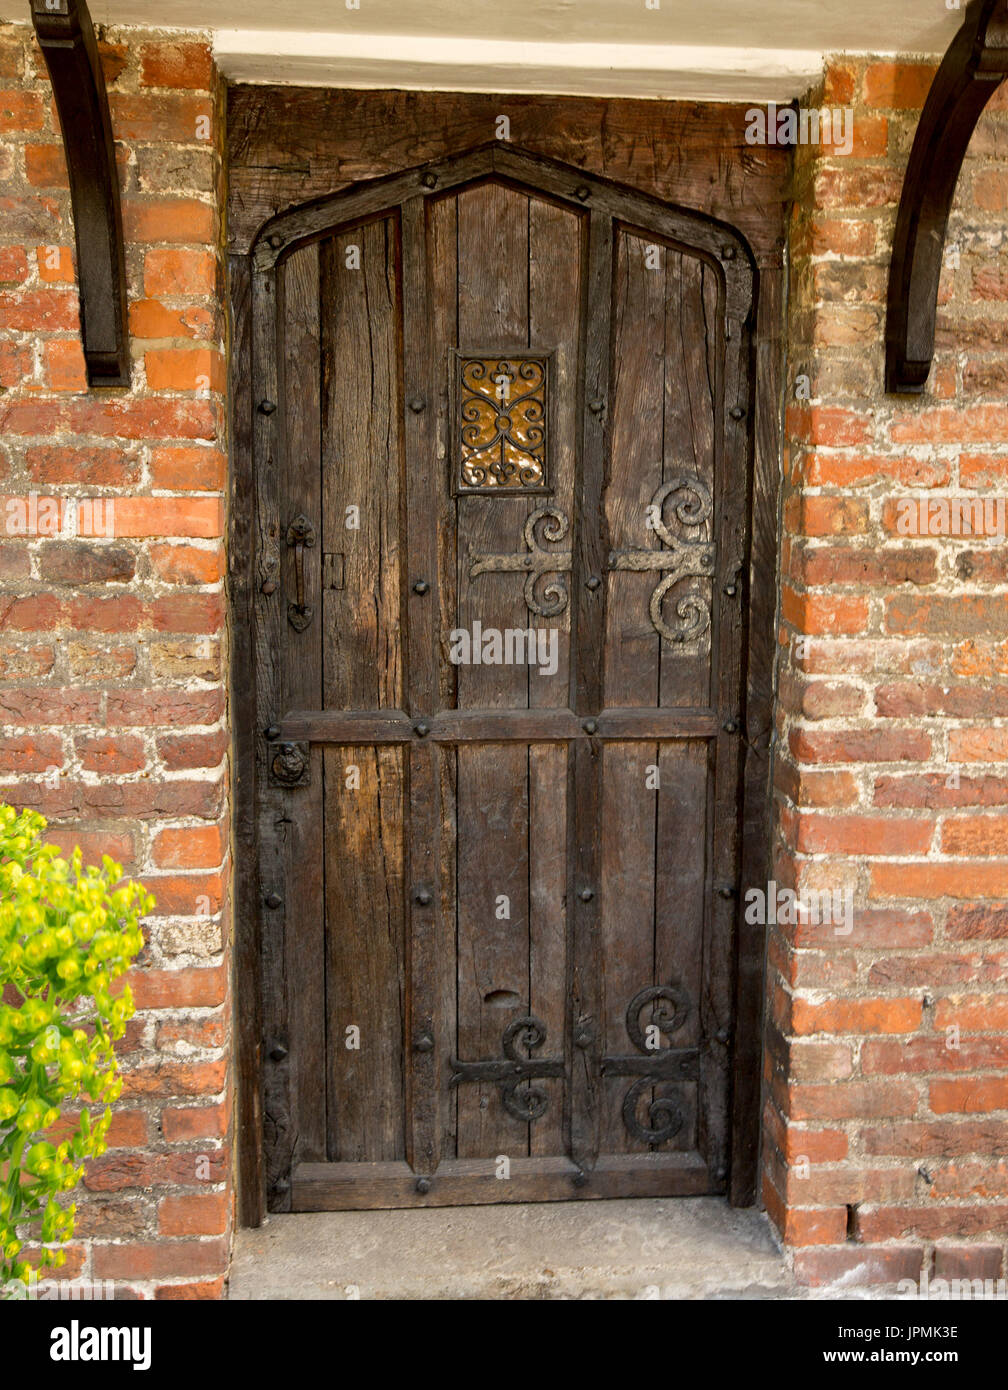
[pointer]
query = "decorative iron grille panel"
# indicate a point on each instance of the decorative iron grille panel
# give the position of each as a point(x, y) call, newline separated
point(501, 417)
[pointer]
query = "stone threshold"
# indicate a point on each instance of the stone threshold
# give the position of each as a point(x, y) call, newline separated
point(681, 1248)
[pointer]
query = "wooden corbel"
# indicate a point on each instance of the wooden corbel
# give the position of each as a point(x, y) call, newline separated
point(67, 39)
point(970, 74)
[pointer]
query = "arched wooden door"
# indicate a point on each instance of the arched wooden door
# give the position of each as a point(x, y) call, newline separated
point(502, 496)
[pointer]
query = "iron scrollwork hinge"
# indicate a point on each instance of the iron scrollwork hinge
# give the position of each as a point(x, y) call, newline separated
point(511, 1071)
point(655, 1065)
point(535, 562)
point(681, 560)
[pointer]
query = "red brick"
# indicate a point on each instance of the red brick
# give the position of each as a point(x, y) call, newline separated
point(205, 1033)
point(897, 86)
point(894, 1223)
point(853, 1100)
point(34, 311)
point(862, 835)
point(169, 516)
point(204, 1289)
point(185, 564)
point(169, 219)
point(964, 615)
point(46, 166)
point(857, 1016)
point(21, 112)
point(14, 268)
point(177, 470)
point(922, 1055)
point(30, 752)
point(975, 836)
point(977, 922)
point(164, 708)
point(973, 1014)
point(828, 426)
point(939, 879)
point(167, 118)
point(203, 987)
point(823, 614)
point(173, 273)
point(858, 1265)
point(182, 1124)
point(93, 844)
point(169, 1080)
point(968, 1262)
point(160, 1260)
point(970, 1096)
point(200, 848)
point(860, 746)
point(149, 318)
point(110, 756)
point(194, 1214)
point(126, 417)
point(176, 65)
point(44, 705)
point(83, 466)
point(185, 896)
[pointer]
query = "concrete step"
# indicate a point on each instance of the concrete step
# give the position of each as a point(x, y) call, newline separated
point(691, 1248)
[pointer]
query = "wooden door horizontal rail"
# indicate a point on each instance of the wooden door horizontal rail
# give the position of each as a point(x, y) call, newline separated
point(364, 1186)
point(497, 726)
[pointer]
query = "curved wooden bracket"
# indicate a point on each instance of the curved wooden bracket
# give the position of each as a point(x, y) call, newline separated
point(970, 74)
point(67, 39)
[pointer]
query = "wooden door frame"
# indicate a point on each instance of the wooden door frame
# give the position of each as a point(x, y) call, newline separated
point(726, 248)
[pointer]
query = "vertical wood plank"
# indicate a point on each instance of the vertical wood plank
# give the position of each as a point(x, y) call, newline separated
point(360, 622)
point(590, 554)
point(244, 731)
point(426, 1070)
point(300, 662)
point(493, 797)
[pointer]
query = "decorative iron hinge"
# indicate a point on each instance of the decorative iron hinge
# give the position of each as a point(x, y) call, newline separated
point(656, 1065)
point(512, 1071)
point(535, 563)
point(682, 559)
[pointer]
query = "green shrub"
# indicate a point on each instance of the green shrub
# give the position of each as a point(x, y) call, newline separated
point(66, 934)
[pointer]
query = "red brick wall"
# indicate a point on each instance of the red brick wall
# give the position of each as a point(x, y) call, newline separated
point(112, 648)
point(887, 1147)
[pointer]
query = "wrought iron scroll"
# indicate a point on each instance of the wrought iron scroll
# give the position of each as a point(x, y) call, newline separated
point(512, 1071)
point(656, 1065)
point(502, 422)
point(553, 598)
point(681, 559)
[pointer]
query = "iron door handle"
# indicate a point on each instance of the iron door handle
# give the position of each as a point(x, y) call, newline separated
point(300, 533)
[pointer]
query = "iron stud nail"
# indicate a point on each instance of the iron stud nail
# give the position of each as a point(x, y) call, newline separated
point(424, 1043)
point(278, 1051)
point(417, 404)
point(423, 897)
point(421, 730)
point(737, 412)
point(423, 1186)
point(421, 587)
point(590, 726)
point(731, 590)
point(727, 890)
point(728, 253)
point(273, 732)
point(722, 1035)
point(276, 241)
point(586, 895)
point(593, 583)
point(429, 180)
point(596, 406)
point(267, 407)
point(274, 900)
point(731, 726)
point(583, 193)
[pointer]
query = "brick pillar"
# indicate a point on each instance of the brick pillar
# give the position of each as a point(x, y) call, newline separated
point(113, 644)
point(886, 1129)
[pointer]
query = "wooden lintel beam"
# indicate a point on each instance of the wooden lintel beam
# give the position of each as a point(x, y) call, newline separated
point(67, 39)
point(970, 73)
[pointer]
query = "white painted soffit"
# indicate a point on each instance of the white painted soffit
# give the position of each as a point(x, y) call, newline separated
point(686, 49)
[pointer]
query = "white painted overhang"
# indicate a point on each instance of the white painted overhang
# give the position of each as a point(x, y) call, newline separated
point(684, 49)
